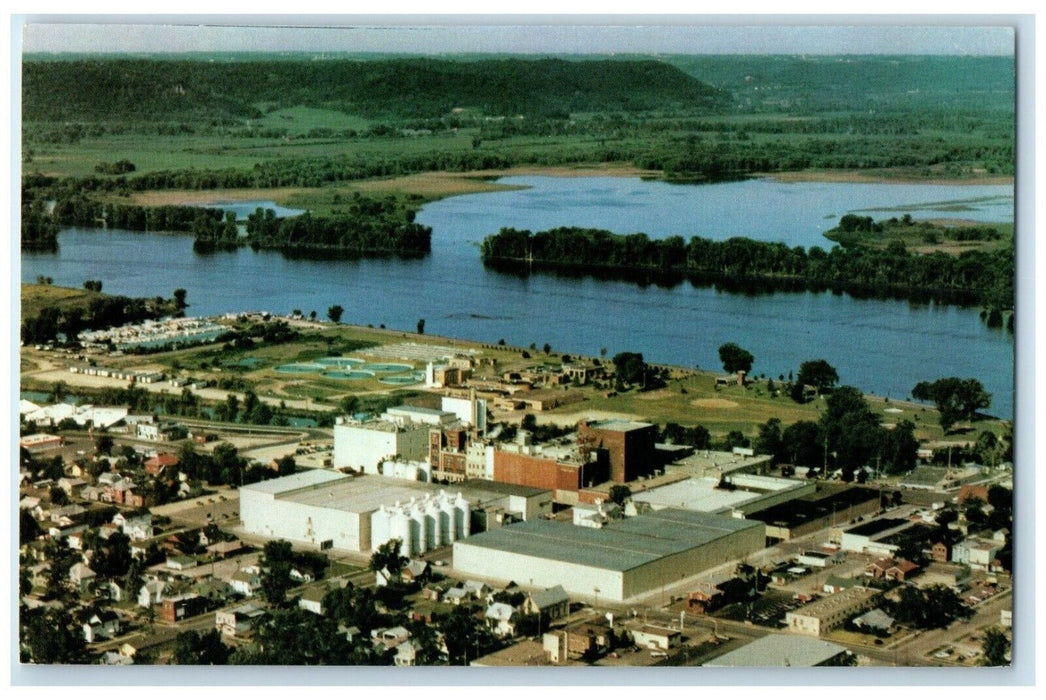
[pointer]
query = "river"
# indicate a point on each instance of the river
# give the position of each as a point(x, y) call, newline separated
point(882, 346)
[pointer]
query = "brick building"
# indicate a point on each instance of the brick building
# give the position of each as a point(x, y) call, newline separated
point(629, 446)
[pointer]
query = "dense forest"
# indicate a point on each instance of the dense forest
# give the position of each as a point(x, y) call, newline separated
point(972, 277)
point(113, 90)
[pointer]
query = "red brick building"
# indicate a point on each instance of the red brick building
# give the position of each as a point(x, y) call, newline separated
point(629, 446)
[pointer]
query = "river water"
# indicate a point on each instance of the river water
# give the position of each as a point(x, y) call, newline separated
point(882, 346)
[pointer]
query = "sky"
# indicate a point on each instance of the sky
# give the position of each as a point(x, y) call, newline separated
point(766, 34)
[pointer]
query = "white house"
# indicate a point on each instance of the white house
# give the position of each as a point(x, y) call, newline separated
point(104, 624)
point(151, 593)
point(501, 619)
point(245, 582)
point(82, 576)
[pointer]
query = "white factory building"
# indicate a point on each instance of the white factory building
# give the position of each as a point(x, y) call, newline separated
point(363, 444)
point(617, 562)
point(735, 494)
point(360, 513)
point(400, 434)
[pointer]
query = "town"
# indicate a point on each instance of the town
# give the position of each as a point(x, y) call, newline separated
point(267, 489)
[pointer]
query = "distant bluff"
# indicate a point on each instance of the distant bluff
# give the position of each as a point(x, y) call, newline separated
point(144, 88)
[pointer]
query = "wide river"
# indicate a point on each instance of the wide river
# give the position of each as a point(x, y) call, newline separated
point(882, 346)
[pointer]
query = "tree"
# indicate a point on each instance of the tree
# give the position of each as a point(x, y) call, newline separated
point(104, 444)
point(28, 528)
point(619, 493)
point(179, 298)
point(465, 636)
point(629, 367)
point(933, 607)
point(956, 399)
point(771, 441)
point(387, 556)
point(51, 637)
point(421, 326)
point(58, 496)
point(996, 646)
point(802, 445)
point(285, 466)
point(735, 358)
point(112, 557)
point(818, 374)
point(334, 313)
point(194, 649)
point(276, 571)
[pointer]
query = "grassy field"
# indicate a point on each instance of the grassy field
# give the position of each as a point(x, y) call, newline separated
point(37, 296)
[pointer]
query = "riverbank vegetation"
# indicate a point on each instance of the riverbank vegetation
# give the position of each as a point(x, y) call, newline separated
point(973, 277)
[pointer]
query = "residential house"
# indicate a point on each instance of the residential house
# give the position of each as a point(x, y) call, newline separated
point(104, 624)
point(312, 600)
point(476, 589)
point(456, 596)
point(940, 551)
point(239, 622)
point(71, 486)
point(160, 464)
point(151, 593)
point(416, 571)
point(214, 590)
point(501, 618)
point(181, 562)
point(246, 581)
point(137, 528)
point(551, 603)
point(407, 653)
point(874, 620)
point(389, 637)
point(112, 590)
point(82, 576)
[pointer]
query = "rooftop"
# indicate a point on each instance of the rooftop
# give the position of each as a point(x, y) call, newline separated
point(500, 488)
point(619, 546)
point(875, 527)
point(704, 495)
point(780, 650)
point(803, 510)
point(830, 605)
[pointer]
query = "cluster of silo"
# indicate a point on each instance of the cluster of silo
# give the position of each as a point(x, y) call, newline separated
point(422, 524)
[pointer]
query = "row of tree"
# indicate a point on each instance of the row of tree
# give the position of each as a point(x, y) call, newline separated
point(972, 275)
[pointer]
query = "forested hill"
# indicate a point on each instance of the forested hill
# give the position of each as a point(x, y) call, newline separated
point(142, 89)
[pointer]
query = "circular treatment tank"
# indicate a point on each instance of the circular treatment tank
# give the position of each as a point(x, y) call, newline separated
point(387, 367)
point(300, 368)
point(348, 374)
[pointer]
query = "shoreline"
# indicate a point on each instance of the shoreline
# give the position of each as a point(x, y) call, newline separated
point(438, 185)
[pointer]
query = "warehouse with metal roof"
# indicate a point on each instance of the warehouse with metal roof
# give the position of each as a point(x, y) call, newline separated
point(617, 562)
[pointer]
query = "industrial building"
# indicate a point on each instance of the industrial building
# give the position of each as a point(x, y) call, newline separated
point(782, 650)
point(629, 445)
point(802, 516)
point(364, 442)
point(867, 538)
point(359, 513)
point(619, 561)
point(737, 493)
point(826, 614)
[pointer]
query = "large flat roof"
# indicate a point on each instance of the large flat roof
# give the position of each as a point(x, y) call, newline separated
point(303, 479)
point(802, 510)
point(365, 493)
point(619, 546)
point(780, 650)
point(702, 493)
